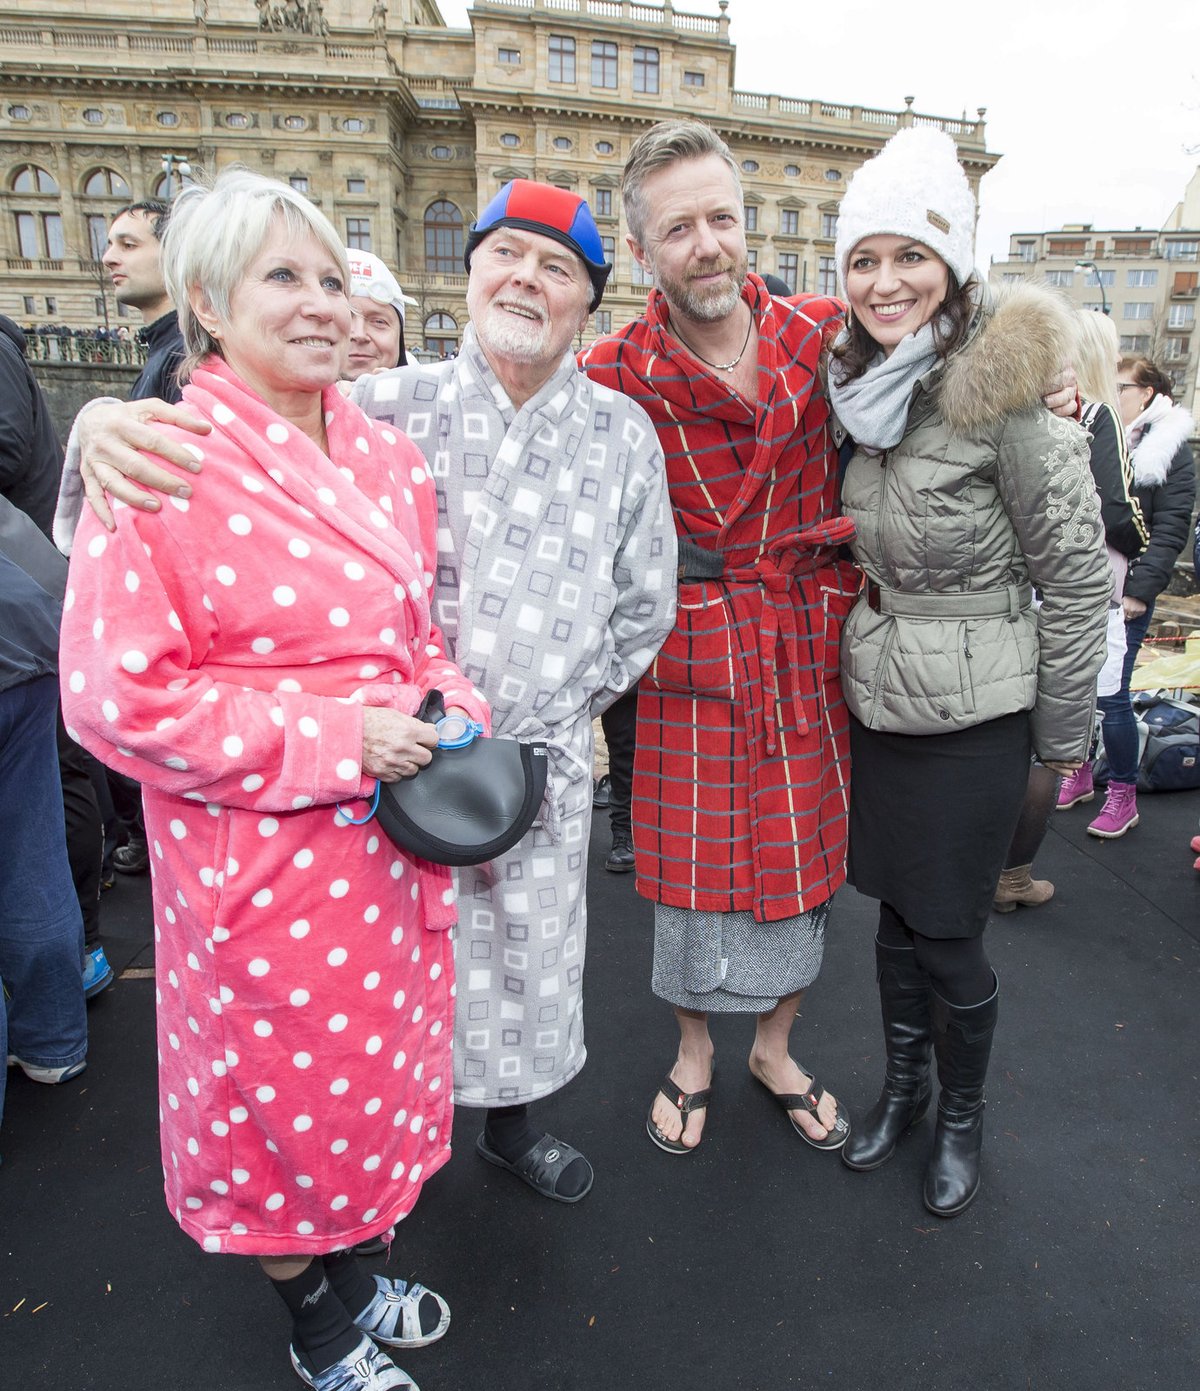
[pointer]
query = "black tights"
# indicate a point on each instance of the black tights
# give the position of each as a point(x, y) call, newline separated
point(1040, 796)
point(957, 967)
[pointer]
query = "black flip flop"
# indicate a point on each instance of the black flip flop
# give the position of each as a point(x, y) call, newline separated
point(685, 1103)
point(838, 1133)
point(540, 1166)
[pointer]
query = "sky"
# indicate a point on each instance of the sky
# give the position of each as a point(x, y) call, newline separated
point(1094, 104)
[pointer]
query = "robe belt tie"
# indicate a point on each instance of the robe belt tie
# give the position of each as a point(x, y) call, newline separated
point(778, 573)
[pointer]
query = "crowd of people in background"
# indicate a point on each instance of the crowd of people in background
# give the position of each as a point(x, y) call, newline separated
point(842, 577)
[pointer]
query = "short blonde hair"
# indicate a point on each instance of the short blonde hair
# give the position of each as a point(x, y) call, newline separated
point(663, 144)
point(213, 235)
point(1095, 353)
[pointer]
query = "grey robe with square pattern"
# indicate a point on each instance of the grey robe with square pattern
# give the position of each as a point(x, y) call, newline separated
point(556, 580)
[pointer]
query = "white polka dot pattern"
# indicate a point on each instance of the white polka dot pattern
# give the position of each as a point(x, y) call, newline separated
point(276, 965)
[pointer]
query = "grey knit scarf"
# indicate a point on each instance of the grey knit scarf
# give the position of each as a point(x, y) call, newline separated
point(874, 407)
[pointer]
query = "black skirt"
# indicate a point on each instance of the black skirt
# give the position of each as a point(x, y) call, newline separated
point(931, 818)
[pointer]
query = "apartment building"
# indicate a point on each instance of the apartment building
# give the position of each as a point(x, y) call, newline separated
point(1147, 279)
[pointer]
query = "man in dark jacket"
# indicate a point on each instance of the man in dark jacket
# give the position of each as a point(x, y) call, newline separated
point(43, 1021)
point(30, 452)
point(134, 261)
point(30, 465)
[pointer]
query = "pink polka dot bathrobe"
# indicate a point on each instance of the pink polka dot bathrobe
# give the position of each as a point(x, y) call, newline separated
point(221, 653)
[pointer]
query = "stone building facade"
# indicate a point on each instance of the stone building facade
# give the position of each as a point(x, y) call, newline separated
point(398, 127)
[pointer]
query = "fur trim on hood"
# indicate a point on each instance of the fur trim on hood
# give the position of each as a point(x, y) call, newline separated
point(1159, 442)
point(1019, 347)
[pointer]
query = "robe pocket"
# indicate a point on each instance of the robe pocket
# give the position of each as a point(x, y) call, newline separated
point(701, 655)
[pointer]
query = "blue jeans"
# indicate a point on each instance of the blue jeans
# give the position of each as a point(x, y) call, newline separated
point(1120, 728)
point(43, 1017)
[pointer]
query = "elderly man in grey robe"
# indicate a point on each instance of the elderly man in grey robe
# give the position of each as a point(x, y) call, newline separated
point(555, 587)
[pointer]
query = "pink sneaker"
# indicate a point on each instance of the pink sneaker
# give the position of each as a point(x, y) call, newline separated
point(1077, 788)
point(1119, 813)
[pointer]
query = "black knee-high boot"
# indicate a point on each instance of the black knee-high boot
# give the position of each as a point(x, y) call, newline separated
point(904, 1003)
point(962, 1042)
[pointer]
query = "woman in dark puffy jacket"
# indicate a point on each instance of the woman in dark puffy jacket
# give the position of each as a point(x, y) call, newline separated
point(965, 493)
point(1164, 484)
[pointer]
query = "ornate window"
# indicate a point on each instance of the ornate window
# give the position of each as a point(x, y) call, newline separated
point(18, 111)
point(354, 124)
point(167, 118)
point(93, 115)
point(645, 69)
point(562, 142)
point(32, 178)
point(237, 120)
point(562, 59)
point(106, 183)
point(441, 152)
point(358, 233)
point(604, 147)
point(295, 123)
point(443, 239)
point(604, 64)
point(441, 335)
point(510, 139)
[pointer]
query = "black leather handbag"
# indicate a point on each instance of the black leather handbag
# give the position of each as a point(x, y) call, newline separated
point(475, 799)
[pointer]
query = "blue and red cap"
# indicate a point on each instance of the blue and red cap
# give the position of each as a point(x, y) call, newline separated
point(552, 212)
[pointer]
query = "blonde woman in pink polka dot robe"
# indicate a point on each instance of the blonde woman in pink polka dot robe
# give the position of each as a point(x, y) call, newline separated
point(253, 657)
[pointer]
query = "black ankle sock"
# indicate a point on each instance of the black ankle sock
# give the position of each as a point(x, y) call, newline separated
point(510, 1134)
point(322, 1331)
point(352, 1285)
point(356, 1289)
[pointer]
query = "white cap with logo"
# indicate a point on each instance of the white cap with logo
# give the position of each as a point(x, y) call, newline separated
point(371, 279)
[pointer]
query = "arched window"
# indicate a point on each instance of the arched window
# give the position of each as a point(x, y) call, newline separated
point(443, 239)
point(441, 335)
point(105, 183)
point(32, 178)
point(166, 186)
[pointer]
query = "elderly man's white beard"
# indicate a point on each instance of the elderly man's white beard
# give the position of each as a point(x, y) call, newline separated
point(505, 335)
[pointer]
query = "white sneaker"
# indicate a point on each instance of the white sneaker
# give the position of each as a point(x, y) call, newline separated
point(49, 1075)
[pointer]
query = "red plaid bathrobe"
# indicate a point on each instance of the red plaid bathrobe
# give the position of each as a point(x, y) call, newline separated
point(741, 777)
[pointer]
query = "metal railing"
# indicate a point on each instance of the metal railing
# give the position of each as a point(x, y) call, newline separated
point(83, 345)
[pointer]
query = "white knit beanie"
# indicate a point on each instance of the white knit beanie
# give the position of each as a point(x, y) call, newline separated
point(914, 187)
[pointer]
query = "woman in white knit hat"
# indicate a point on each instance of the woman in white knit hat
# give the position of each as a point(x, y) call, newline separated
point(966, 494)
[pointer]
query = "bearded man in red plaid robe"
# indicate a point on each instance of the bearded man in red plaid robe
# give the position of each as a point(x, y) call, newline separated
point(741, 772)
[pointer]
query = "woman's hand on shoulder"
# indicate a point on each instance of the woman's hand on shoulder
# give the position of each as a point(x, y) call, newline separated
point(114, 442)
point(1062, 394)
point(395, 746)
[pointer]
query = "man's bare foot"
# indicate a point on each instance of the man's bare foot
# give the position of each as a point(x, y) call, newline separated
point(691, 1073)
point(784, 1077)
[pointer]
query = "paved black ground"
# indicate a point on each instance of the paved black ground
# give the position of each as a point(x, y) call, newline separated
point(755, 1263)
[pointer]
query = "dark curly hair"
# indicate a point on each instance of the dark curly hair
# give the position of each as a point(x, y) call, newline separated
point(951, 325)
